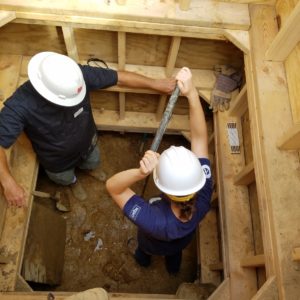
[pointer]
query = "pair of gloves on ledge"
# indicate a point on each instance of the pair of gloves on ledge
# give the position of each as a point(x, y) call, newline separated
point(227, 80)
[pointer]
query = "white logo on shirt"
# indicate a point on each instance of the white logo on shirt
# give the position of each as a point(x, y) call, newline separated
point(134, 212)
point(78, 112)
point(206, 170)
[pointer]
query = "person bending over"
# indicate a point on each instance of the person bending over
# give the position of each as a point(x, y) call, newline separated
point(53, 109)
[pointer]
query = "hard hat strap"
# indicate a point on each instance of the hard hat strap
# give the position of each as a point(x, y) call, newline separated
point(181, 198)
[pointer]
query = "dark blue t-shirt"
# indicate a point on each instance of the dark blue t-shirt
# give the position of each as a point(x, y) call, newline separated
point(159, 231)
point(61, 136)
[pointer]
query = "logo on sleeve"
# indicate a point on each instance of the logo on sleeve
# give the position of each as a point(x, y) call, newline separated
point(134, 212)
point(206, 170)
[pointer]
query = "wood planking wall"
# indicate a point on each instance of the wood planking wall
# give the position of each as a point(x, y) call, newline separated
point(141, 49)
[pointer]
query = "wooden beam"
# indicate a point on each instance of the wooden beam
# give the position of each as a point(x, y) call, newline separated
point(268, 109)
point(290, 140)
point(239, 38)
point(205, 14)
point(253, 261)
point(184, 4)
point(287, 38)
point(246, 176)
point(204, 80)
point(137, 122)
point(69, 38)
point(65, 295)
point(233, 199)
point(120, 25)
point(122, 105)
point(296, 254)
point(6, 17)
point(121, 50)
point(268, 291)
point(222, 291)
point(15, 228)
point(121, 66)
point(239, 105)
point(10, 65)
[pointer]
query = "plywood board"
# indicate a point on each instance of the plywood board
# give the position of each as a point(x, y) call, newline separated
point(45, 246)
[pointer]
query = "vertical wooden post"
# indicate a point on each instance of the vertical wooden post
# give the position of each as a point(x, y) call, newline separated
point(184, 4)
point(69, 38)
point(276, 171)
point(121, 64)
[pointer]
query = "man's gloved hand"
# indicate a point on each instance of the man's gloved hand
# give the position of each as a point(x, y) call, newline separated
point(228, 79)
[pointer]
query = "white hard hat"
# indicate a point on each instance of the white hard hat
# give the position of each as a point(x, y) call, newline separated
point(57, 78)
point(179, 172)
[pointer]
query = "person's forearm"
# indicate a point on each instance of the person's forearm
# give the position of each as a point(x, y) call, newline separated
point(197, 119)
point(118, 183)
point(134, 80)
point(4, 170)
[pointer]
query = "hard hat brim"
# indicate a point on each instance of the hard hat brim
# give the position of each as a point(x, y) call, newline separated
point(175, 192)
point(33, 74)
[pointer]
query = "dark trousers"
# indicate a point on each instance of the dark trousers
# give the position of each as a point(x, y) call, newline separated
point(172, 262)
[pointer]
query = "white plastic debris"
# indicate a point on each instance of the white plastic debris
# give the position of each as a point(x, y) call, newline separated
point(89, 235)
point(99, 245)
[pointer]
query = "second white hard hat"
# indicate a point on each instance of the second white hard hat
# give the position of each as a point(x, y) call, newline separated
point(57, 78)
point(179, 172)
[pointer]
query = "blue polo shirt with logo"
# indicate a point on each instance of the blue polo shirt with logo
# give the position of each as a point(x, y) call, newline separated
point(159, 231)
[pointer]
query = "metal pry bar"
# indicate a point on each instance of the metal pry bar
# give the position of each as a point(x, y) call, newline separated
point(165, 119)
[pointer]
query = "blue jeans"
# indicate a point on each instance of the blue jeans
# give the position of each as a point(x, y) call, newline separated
point(68, 177)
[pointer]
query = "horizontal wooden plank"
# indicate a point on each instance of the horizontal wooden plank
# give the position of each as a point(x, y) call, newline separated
point(138, 122)
point(64, 295)
point(291, 139)
point(253, 261)
point(202, 79)
point(245, 176)
point(201, 13)
point(121, 25)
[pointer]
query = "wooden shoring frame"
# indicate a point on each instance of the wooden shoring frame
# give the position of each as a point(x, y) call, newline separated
point(268, 102)
point(121, 120)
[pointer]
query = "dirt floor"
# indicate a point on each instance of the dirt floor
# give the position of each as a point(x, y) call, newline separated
point(96, 253)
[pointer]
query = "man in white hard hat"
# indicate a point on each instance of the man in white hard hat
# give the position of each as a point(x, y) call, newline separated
point(53, 109)
point(166, 226)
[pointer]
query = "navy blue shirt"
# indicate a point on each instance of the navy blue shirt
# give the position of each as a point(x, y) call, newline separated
point(159, 231)
point(61, 136)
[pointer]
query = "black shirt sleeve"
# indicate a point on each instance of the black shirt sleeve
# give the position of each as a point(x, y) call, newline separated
point(98, 78)
point(11, 126)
